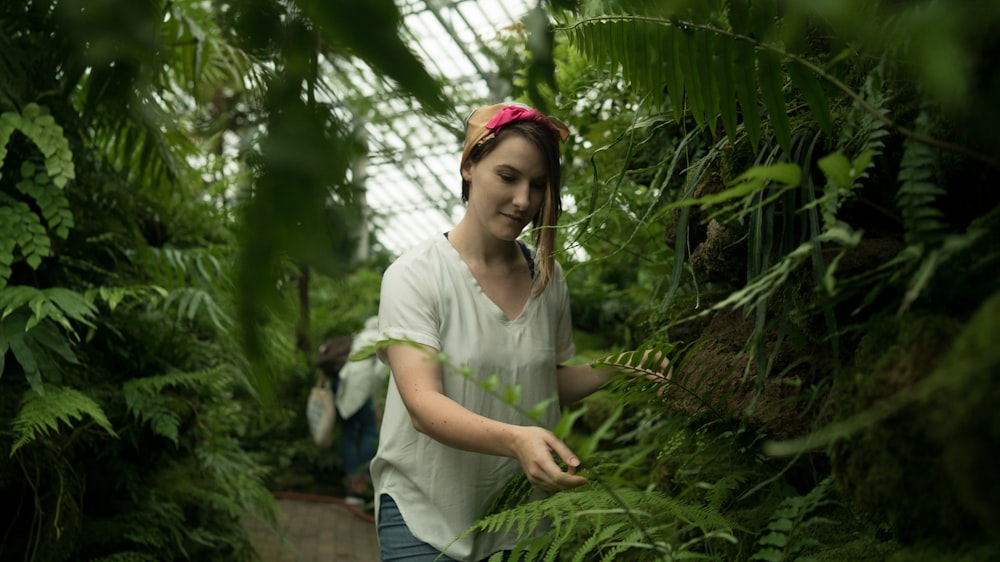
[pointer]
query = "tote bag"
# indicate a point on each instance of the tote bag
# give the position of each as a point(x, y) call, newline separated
point(321, 411)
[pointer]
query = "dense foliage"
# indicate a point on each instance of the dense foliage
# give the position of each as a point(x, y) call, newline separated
point(796, 202)
point(142, 328)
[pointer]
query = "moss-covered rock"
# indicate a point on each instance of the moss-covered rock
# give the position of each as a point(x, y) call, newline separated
point(898, 472)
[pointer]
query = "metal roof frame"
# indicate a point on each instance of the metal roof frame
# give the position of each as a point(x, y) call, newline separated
point(411, 174)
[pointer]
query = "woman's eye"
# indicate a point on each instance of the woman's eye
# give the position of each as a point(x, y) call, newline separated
point(506, 178)
point(537, 185)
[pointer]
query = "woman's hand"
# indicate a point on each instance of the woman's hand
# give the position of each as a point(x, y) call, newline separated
point(537, 450)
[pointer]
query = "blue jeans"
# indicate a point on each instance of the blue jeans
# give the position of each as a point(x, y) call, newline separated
point(396, 542)
point(358, 439)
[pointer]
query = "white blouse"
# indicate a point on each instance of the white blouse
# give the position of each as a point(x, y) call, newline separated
point(429, 296)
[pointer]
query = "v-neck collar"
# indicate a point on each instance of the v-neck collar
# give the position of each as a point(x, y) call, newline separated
point(467, 272)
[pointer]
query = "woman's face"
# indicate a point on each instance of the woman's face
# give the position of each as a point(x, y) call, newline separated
point(507, 186)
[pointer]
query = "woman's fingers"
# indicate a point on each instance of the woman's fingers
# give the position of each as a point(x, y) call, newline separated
point(540, 466)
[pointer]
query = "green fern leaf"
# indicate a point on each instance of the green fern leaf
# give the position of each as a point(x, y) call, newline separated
point(917, 195)
point(811, 89)
point(768, 555)
point(745, 82)
point(146, 400)
point(763, 17)
point(722, 491)
point(40, 414)
point(725, 82)
point(672, 71)
point(707, 68)
point(771, 86)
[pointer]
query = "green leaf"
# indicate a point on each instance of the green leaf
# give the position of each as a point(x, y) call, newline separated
point(492, 383)
point(811, 89)
point(745, 81)
point(538, 410)
point(42, 413)
point(837, 168)
point(25, 356)
point(371, 28)
point(777, 539)
point(674, 72)
point(754, 179)
point(726, 86)
point(739, 17)
point(768, 555)
point(47, 335)
point(512, 394)
point(566, 422)
point(589, 445)
point(771, 84)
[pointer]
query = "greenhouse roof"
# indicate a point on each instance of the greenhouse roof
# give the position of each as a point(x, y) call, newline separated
point(411, 174)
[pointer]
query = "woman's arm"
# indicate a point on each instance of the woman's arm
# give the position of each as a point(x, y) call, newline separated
point(579, 381)
point(418, 377)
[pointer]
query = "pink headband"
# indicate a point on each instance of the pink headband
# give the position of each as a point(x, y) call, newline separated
point(484, 124)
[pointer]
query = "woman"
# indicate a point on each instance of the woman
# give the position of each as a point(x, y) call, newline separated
point(491, 305)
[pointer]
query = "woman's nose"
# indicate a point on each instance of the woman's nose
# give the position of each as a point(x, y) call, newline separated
point(522, 195)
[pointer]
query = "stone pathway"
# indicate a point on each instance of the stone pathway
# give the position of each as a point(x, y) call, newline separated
point(315, 529)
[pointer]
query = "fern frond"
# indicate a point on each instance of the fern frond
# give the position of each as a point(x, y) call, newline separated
point(42, 413)
point(922, 221)
point(599, 520)
point(20, 227)
point(714, 68)
point(114, 296)
point(782, 539)
point(722, 491)
point(190, 301)
point(146, 401)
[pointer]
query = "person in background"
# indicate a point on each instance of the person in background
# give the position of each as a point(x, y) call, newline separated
point(360, 381)
point(465, 305)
